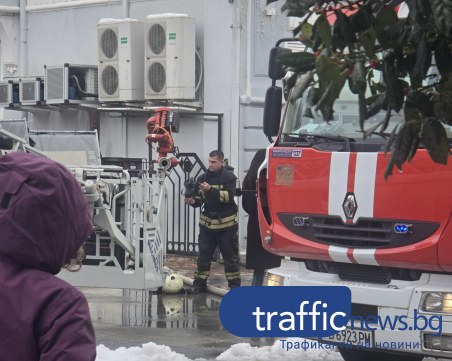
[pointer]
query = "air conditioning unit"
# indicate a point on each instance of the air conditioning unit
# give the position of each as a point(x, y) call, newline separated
point(31, 91)
point(170, 57)
point(69, 83)
point(121, 60)
point(9, 93)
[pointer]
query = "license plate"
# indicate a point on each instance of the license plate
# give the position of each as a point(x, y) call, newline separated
point(352, 337)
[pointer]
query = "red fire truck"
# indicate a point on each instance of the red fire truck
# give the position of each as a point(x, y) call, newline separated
point(325, 206)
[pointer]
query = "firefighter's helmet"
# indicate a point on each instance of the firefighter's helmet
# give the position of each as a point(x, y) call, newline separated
point(173, 283)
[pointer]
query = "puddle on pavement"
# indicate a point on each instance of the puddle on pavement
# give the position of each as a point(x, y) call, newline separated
point(147, 309)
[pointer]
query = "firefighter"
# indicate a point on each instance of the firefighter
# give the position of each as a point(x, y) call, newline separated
point(218, 222)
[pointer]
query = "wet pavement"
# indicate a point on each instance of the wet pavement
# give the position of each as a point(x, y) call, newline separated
point(186, 266)
point(188, 323)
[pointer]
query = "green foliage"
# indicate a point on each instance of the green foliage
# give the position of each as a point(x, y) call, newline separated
point(368, 38)
point(332, 78)
point(323, 28)
point(298, 63)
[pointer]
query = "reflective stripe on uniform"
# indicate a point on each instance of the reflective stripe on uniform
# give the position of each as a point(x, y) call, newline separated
point(224, 196)
point(203, 275)
point(218, 223)
point(232, 275)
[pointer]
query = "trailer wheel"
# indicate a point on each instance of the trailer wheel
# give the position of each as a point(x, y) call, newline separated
point(362, 355)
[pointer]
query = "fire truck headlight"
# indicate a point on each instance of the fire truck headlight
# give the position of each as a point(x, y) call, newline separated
point(268, 238)
point(437, 302)
point(437, 342)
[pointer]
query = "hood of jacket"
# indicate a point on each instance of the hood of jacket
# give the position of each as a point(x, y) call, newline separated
point(44, 215)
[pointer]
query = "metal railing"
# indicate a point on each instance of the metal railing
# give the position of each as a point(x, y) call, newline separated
point(182, 219)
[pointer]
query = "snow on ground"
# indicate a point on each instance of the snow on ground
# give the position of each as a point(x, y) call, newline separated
point(149, 352)
point(239, 352)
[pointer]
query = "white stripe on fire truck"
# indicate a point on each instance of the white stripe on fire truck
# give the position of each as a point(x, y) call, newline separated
point(338, 254)
point(365, 174)
point(360, 256)
point(265, 162)
point(365, 256)
point(338, 183)
point(364, 189)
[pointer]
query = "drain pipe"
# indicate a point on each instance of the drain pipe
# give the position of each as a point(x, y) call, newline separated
point(125, 8)
point(23, 64)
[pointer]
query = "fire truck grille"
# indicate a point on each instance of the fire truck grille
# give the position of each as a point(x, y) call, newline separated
point(365, 233)
point(362, 273)
point(366, 274)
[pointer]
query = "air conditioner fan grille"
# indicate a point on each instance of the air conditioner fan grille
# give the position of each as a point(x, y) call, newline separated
point(156, 77)
point(55, 83)
point(28, 91)
point(4, 93)
point(110, 80)
point(156, 38)
point(109, 43)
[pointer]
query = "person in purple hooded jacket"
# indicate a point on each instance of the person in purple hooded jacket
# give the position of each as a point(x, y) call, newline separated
point(44, 221)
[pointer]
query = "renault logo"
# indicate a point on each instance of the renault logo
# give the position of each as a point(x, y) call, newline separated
point(350, 206)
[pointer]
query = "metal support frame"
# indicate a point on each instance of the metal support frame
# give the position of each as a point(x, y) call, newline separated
point(16, 144)
point(128, 244)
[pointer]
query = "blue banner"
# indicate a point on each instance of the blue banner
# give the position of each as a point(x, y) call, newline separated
point(291, 311)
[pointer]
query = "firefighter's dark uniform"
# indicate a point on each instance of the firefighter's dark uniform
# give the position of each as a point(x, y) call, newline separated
point(218, 226)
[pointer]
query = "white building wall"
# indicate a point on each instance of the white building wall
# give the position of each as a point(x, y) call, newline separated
point(9, 48)
point(265, 26)
point(10, 3)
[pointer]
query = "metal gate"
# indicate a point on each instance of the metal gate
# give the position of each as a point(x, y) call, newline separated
point(182, 219)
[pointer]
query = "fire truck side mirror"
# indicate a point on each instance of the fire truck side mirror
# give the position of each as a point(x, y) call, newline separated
point(272, 111)
point(275, 69)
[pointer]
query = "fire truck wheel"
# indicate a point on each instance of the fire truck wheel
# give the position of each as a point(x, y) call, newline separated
point(360, 355)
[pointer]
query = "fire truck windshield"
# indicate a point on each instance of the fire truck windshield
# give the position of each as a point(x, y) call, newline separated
point(302, 119)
